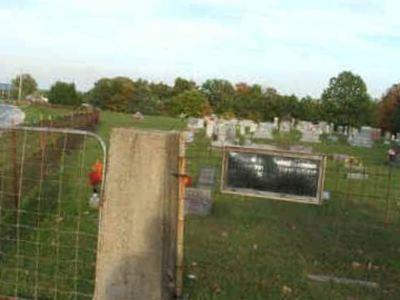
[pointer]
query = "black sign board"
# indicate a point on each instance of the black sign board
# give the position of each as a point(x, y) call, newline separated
point(275, 174)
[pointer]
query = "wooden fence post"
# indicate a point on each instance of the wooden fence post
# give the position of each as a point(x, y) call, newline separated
point(137, 253)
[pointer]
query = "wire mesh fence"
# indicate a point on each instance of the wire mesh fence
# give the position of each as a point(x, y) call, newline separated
point(353, 234)
point(48, 232)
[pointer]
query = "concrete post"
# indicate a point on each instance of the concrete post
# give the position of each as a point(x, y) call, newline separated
point(138, 227)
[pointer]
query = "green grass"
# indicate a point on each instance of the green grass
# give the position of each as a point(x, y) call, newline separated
point(35, 114)
point(253, 248)
point(257, 248)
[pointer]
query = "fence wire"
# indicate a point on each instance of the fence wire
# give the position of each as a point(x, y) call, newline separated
point(48, 231)
point(353, 234)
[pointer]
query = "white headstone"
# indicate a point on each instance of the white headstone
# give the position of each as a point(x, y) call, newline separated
point(264, 130)
point(195, 123)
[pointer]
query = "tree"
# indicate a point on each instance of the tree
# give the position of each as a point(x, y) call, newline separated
point(220, 94)
point(112, 93)
point(346, 101)
point(248, 102)
point(309, 109)
point(389, 110)
point(286, 106)
point(182, 85)
point(29, 86)
point(191, 103)
point(143, 99)
point(64, 93)
point(161, 90)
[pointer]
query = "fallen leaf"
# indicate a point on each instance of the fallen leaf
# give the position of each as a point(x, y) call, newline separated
point(216, 288)
point(192, 277)
point(286, 290)
point(356, 265)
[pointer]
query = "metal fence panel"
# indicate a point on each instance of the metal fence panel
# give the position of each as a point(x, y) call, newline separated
point(48, 231)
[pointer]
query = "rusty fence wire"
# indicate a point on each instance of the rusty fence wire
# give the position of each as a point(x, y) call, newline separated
point(48, 231)
point(353, 234)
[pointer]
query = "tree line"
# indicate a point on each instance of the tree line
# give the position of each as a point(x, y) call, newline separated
point(344, 102)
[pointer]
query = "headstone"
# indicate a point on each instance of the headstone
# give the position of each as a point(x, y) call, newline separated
point(376, 134)
point(138, 116)
point(222, 132)
point(326, 195)
point(301, 149)
point(195, 123)
point(333, 138)
point(280, 175)
point(365, 137)
point(285, 126)
point(206, 177)
point(276, 122)
point(210, 127)
point(340, 157)
point(231, 134)
point(324, 127)
point(357, 176)
point(189, 137)
point(310, 132)
point(247, 141)
point(198, 201)
point(242, 130)
point(264, 131)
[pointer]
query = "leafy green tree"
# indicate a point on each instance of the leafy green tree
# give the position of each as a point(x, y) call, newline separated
point(346, 101)
point(182, 85)
point(309, 109)
point(143, 99)
point(267, 105)
point(220, 94)
point(248, 101)
point(29, 86)
point(161, 90)
point(64, 93)
point(189, 103)
point(286, 106)
point(112, 93)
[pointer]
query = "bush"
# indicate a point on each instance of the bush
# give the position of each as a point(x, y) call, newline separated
point(341, 139)
point(286, 139)
point(65, 94)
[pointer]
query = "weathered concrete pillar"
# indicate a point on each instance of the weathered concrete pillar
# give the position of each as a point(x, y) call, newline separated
point(138, 227)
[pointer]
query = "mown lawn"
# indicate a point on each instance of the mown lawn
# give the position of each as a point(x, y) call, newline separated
point(263, 249)
point(35, 114)
point(257, 248)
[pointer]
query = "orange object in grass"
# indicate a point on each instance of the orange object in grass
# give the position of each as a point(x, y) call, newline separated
point(96, 175)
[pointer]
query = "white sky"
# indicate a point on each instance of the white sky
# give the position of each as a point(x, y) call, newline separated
point(294, 46)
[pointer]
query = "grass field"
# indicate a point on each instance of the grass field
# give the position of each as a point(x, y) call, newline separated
point(262, 249)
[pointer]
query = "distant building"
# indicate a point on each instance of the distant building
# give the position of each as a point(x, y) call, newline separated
point(5, 90)
point(36, 97)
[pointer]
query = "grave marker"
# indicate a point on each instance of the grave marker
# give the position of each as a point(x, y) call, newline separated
point(206, 178)
point(281, 175)
point(198, 201)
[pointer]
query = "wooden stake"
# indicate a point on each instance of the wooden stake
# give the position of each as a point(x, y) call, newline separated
point(181, 218)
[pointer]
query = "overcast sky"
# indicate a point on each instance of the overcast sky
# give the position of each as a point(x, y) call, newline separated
point(294, 46)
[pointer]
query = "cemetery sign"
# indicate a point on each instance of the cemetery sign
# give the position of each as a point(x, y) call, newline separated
point(273, 174)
